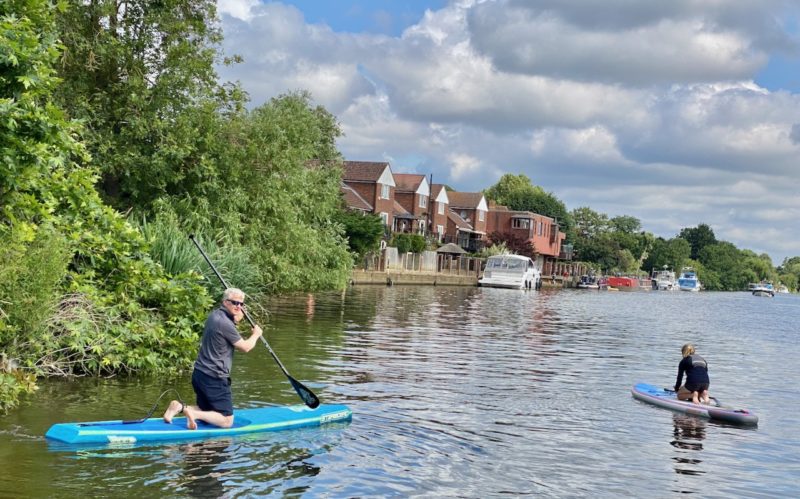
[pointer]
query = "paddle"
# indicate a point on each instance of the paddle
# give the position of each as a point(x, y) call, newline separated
point(307, 395)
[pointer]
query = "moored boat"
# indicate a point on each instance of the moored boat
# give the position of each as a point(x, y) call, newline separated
point(688, 280)
point(588, 282)
point(763, 289)
point(664, 279)
point(627, 283)
point(510, 271)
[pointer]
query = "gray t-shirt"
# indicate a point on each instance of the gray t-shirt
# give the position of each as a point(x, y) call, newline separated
point(216, 347)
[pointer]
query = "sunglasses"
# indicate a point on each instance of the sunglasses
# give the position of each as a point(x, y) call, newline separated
point(236, 303)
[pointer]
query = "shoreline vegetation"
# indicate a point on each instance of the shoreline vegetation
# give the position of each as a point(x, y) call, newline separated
point(119, 140)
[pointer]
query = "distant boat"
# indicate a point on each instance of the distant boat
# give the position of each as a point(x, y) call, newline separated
point(588, 282)
point(782, 289)
point(626, 283)
point(763, 289)
point(510, 271)
point(664, 280)
point(688, 280)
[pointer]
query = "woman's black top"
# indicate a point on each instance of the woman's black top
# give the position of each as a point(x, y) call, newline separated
point(696, 369)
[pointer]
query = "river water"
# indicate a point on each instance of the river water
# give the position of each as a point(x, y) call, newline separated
point(461, 392)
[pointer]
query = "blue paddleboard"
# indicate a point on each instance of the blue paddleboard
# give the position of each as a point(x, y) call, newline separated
point(666, 398)
point(155, 429)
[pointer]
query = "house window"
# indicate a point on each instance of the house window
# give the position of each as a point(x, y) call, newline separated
point(385, 218)
point(464, 214)
point(481, 215)
point(441, 208)
point(520, 223)
point(440, 230)
point(423, 201)
point(384, 191)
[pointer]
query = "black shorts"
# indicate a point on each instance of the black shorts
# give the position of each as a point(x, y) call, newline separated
point(698, 387)
point(213, 394)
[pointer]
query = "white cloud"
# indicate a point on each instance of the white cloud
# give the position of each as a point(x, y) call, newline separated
point(240, 9)
point(630, 107)
point(462, 164)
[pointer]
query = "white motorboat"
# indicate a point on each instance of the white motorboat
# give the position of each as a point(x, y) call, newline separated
point(510, 271)
point(664, 280)
point(688, 281)
point(763, 289)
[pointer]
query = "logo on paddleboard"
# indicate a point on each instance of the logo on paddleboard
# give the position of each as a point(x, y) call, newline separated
point(115, 439)
point(334, 416)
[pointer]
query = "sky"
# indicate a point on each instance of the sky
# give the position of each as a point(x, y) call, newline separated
point(678, 113)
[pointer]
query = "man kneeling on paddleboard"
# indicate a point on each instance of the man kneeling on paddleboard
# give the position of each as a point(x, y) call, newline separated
point(697, 382)
point(211, 378)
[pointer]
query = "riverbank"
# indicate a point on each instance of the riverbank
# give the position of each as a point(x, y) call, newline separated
point(392, 277)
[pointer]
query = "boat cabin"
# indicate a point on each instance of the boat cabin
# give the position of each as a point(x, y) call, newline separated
point(510, 271)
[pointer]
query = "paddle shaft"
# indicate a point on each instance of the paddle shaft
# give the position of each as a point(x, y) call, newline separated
point(307, 395)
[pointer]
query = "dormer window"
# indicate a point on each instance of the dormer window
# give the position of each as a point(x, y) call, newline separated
point(441, 208)
point(423, 201)
point(384, 191)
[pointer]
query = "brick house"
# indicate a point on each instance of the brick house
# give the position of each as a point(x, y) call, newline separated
point(413, 193)
point(440, 207)
point(540, 230)
point(471, 209)
point(374, 183)
point(353, 199)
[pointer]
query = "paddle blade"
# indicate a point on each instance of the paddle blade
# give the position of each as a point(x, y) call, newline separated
point(307, 395)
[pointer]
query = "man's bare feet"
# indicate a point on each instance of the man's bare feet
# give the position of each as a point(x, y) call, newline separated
point(190, 420)
point(174, 408)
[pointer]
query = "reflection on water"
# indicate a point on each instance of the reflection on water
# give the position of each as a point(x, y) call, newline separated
point(458, 392)
point(689, 433)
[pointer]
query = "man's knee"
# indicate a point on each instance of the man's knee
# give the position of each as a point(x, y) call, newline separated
point(228, 421)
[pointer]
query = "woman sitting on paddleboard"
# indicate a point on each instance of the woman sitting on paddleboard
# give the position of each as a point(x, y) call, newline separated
point(696, 369)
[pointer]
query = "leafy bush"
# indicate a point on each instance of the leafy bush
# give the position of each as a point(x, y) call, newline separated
point(362, 230)
point(31, 285)
point(169, 245)
point(82, 294)
point(405, 243)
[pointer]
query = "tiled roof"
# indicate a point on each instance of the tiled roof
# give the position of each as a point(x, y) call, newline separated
point(469, 200)
point(460, 222)
point(353, 200)
point(400, 212)
point(364, 171)
point(407, 182)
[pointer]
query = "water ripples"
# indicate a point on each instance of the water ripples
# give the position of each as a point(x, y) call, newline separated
point(468, 392)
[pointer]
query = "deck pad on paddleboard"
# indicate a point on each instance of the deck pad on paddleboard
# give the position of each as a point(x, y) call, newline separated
point(155, 429)
point(667, 399)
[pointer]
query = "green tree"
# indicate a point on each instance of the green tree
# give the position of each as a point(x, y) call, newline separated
point(790, 272)
point(141, 75)
point(728, 262)
point(518, 193)
point(673, 253)
point(275, 200)
point(116, 311)
point(363, 231)
point(699, 237)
